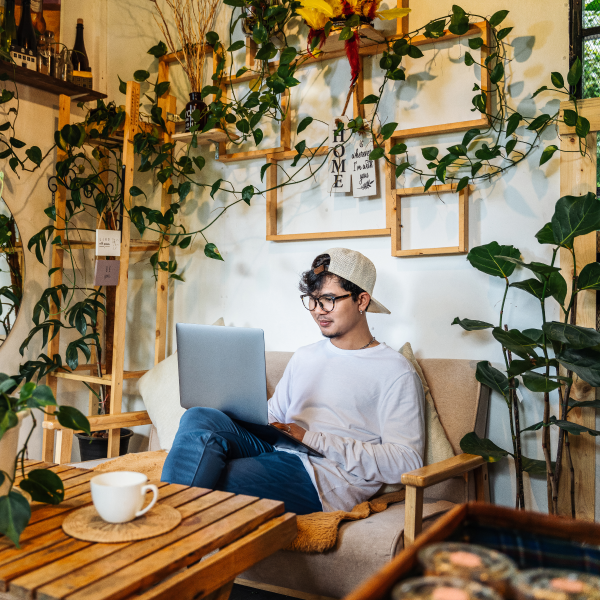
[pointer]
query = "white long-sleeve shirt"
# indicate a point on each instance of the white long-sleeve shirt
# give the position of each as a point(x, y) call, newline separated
point(362, 409)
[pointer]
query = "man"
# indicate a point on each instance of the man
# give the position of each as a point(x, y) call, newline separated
point(350, 397)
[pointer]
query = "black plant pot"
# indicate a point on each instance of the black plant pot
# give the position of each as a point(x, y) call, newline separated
point(93, 448)
point(194, 104)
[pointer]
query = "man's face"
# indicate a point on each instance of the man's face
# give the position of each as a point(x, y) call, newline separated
point(345, 316)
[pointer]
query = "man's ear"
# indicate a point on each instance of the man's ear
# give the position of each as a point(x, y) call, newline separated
point(363, 301)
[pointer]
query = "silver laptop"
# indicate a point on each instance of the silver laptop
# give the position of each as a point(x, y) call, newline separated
point(224, 368)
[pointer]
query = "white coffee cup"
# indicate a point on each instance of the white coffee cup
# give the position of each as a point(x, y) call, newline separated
point(119, 496)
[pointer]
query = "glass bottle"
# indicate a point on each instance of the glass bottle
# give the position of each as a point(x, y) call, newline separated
point(195, 103)
point(68, 65)
point(79, 55)
point(9, 34)
point(43, 56)
point(37, 16)
point(26, 37)
point(51, 43)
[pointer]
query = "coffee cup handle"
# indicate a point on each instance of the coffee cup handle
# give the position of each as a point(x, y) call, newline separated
point(147, 488)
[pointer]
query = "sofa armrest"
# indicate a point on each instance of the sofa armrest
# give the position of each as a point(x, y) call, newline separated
point(419, 479)
point(443, 470)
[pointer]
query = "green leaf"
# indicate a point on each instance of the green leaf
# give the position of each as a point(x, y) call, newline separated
point(162, 88)
point(398, 149)
point(539, 91)
point(43, 396)
point(370, 99)
point(259, 34)
point(14, 516)
point(534, 466)
point(388, 129)
point(536, 267)
point(141, 75)
point(497, 73)
point(43, 486)
point(401, 168)
point(135, 191)
point(8, 421)
point(548, 153)
point(589, 278)
point(212, 251)
point(70, 417)
point(584, 404)
point(430, 153)
point(585, 362)
point(459, 22)
point(503, 33)
point(570, 118)
point(414, 52)
point(304, 124)
point(575, 216)
point(258, 136)
point(490, 259)
point(122, 86)
point(34, 154)
point(512, 123)
point(247, 194)
point(557, 287)
point(462, 184)
point(159, 50)
point(533, 287)
point(475, 43)
point(212, 37)
point(15, 143)
point(545, 235)
point(263, 170)
point(469, 60)
point(490, 376)
point(515, 341)
point(288, 55)
point(557, 80)
point(539, 122)
point(575, 73)
point(520, 366)
point(536, 382)
point(473, 444)
point(498, 17)
point(470, 325)
point(583, 127)
point(573, 428)
point(236, 46)
point(574, 335)
point(470, 136)
point(376, 153)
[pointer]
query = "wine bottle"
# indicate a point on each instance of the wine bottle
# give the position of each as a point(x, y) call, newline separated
point(26, 33)
point(79, 55)
point(37, 16)
point(9, 35)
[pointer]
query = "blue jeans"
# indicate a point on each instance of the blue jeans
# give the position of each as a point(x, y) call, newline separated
point(211, 451)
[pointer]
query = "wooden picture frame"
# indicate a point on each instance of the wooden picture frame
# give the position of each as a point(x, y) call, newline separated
point(463, 221)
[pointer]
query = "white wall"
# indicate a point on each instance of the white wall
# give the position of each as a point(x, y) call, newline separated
point(257, 284)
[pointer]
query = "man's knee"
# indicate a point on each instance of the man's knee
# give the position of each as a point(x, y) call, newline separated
point(200, 417)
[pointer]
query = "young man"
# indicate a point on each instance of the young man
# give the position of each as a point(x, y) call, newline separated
point(350, 397)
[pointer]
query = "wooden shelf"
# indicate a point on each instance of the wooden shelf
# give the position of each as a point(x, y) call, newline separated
point(104, 380)
point(213, 136)
point(101, 422)
point(134, 245)
point(46, 83)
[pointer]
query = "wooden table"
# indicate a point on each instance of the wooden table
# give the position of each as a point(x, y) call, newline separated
point(53, 566)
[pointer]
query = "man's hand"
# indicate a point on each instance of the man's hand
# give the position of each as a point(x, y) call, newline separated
point(294, 430)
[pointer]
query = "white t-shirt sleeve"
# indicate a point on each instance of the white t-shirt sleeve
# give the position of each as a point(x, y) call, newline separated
point(280, 401)
point(402, 427)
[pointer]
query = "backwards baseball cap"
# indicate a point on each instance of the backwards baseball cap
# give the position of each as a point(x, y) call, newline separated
point(357, 268)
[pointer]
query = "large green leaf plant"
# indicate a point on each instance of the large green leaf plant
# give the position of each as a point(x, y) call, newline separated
point(42, 485)
point(556, 357)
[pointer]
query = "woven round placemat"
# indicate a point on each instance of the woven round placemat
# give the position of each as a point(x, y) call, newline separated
point(86, 524)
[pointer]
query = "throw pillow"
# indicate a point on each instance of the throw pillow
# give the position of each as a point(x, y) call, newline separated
point(159, 389)
point(437, 446)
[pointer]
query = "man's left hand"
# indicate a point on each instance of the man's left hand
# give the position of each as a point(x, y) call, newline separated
point(294, 430)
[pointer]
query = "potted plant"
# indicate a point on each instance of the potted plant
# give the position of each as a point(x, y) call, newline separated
point(41, 485)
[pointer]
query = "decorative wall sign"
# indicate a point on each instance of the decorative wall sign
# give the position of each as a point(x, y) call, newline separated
point(106, 272)
point(364, 177)
point(339, 177)
point(108, 242)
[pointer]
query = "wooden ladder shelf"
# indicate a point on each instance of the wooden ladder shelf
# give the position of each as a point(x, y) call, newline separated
point(58, 441)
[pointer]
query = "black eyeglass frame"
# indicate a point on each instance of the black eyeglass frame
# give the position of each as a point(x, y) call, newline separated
point(318, 301)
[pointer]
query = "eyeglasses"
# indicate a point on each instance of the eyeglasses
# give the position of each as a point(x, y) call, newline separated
point(327, 303)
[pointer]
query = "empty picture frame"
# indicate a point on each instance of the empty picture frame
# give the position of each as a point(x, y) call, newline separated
point(463, 221)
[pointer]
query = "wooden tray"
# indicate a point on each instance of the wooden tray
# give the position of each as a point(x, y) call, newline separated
point(548, 538)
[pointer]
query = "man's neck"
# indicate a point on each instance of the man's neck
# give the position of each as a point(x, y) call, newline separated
point(355, 339)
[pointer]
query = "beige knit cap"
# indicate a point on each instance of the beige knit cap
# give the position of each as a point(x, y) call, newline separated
point(358, 269)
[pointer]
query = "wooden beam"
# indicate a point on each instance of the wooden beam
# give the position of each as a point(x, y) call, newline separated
point(588, 108)
point(442, 471)
point(328, 235)
point(578, 177)
point(413, 514)
point(402, 25)
point(271, 195)
point(100, 422)
point(406, 134)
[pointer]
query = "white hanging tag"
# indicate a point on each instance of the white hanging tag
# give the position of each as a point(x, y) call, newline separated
point(108, 242)
point(339, 179)
point(364, 179)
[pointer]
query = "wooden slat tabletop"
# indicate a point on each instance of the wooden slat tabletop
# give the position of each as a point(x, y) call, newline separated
point(50, 565)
